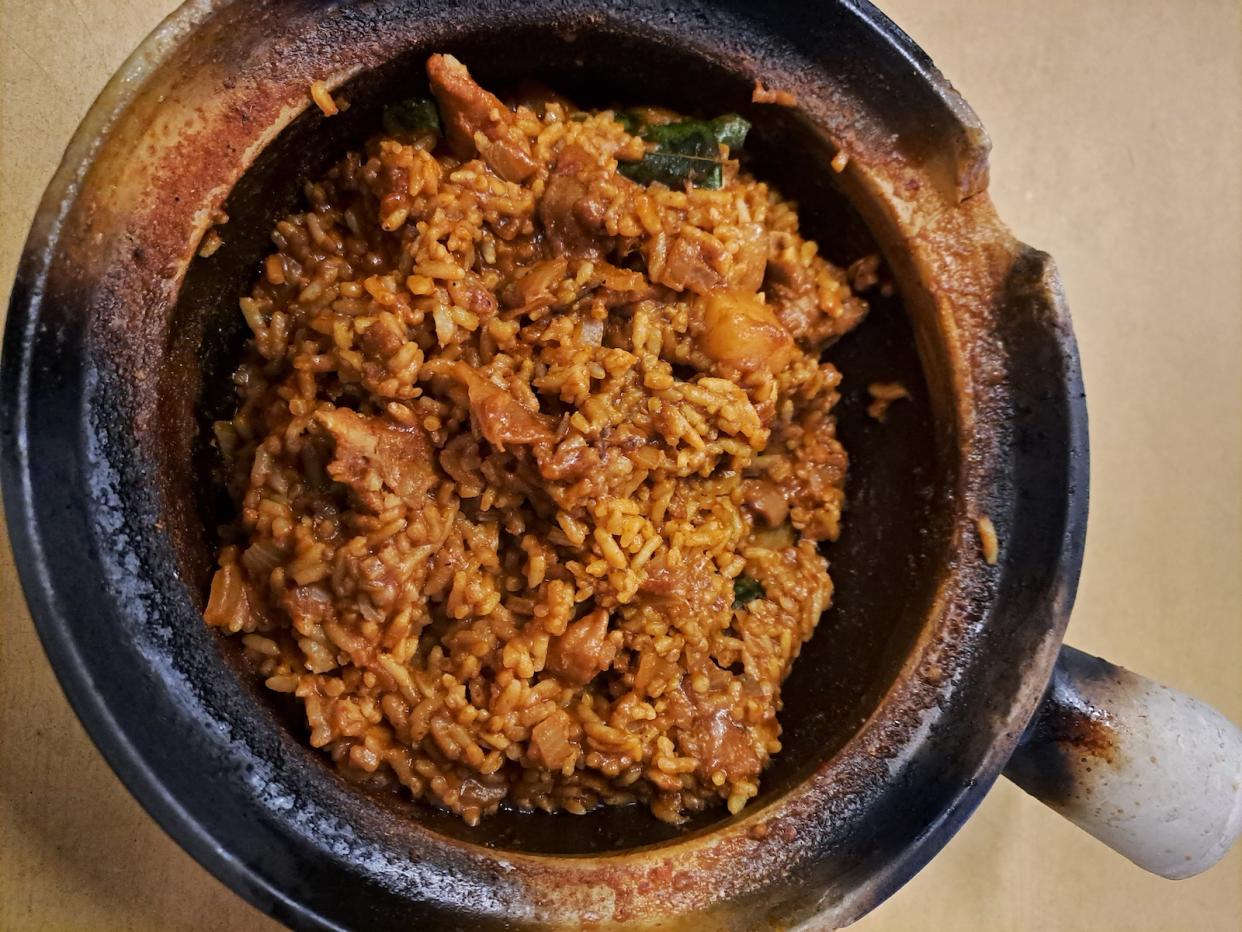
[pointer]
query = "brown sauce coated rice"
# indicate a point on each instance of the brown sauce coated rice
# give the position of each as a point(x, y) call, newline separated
point(532, 462)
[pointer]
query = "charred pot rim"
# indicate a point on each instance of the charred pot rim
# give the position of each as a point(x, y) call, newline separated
point(82, 448)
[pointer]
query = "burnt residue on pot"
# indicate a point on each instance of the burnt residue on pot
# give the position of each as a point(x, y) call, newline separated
point(1071, 736)
point(900, 711)
point(1148, 770)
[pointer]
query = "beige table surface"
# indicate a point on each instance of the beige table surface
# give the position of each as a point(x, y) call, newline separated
point(1117, 129)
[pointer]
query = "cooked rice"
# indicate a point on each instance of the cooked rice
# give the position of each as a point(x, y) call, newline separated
point(211, 244)
point(323, 99)
point(884, 394)
point(989, 544)
point(532, 463)
point(764, 95)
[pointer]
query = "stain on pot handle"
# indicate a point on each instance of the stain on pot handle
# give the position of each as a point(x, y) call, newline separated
point(1149, 771)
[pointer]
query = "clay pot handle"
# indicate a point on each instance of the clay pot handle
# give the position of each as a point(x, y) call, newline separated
point(1149, 771)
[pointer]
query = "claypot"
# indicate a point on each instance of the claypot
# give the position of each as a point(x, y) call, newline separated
point(923, 680)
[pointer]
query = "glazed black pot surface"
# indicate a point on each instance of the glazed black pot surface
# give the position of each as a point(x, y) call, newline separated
point(921, 678)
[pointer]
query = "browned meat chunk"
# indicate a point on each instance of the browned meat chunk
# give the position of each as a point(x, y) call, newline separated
point(765, 501)
point(371, 447)
point(724, 744)
point(550, 740)
point(583, 650)
point(685, 590)
point(383, 338)
point(695, 262)
point(474, 793)
point(741, 332)
point(793, 291)
point(308, 607)
point(619, 286)
point(571, 216)
point(526, 291)
point(501, 418)
point(470, 293)
point(468, 111)
point(572, 459)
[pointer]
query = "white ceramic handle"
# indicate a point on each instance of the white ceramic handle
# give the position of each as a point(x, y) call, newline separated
point(1149, 771)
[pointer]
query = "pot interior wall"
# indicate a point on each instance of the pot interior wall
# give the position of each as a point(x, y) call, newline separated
point(894, 540)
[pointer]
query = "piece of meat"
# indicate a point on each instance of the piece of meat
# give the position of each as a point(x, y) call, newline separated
point(864, 274)
point(793, 292)
point(724, 743)
point(468, 110)
point(619, 286)
point(383, 338)
point(679, 710)
point(583, 651)
point(790, 287)
point(375, 446)
point(501, 418)
point(664, 581)
point(308, 607)
point(694, 263)
point(572, 218)
point(535, 283)
point(687, 590)
point(470, 293)
point(742, 332)
point(615, 278)
point(550, 739)
point(765, 500)
point(480, 795)
point(572, 459)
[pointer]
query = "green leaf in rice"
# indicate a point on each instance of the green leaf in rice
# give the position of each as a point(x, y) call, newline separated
point(684, 152)
point(745, 590)
point(674, 170)
point(412, 117)
point(629, 121)
point(730, 130)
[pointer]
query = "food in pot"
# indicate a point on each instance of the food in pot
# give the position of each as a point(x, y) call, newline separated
point(883, 394)
point(533, 454)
